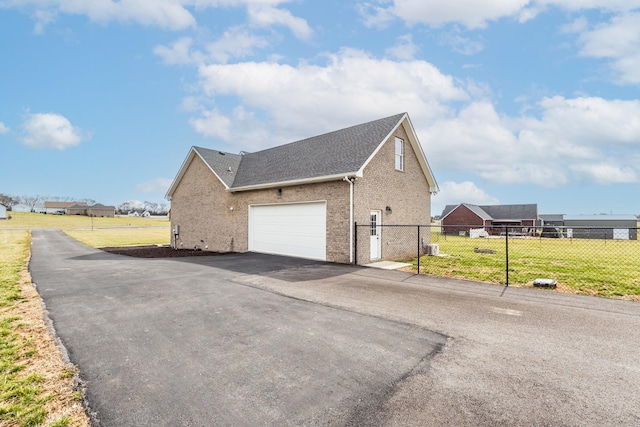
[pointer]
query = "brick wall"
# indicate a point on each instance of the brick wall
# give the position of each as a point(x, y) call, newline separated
point(405, 192)
point(461, 219)
point(202, 208)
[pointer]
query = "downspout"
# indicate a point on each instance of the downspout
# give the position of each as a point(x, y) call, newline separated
point(349, 180)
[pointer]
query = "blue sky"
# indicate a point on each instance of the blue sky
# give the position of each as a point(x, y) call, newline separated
point(513, 101)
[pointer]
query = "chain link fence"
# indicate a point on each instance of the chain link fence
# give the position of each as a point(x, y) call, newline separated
point(595, 261)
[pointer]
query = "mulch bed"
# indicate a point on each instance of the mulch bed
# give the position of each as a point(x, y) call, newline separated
point(154, 251)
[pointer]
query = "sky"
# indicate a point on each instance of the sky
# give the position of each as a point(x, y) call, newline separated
point(513, 101)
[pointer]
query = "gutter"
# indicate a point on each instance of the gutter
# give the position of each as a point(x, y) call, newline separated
point(350, 181)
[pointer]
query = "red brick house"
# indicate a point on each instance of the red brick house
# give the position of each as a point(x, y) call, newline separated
point(459, 219)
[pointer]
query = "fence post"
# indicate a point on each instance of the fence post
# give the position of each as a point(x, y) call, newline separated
point(418, 249)
point(355, 243)
point(506, 253)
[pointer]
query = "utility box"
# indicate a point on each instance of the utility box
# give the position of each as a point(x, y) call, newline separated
point(433, 249)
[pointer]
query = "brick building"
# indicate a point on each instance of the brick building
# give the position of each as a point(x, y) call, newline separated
point(459, 219)
point(303, 198)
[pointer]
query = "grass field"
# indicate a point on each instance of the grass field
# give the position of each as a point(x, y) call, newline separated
point(28, 220)
point(609, 268)
point(122, 236)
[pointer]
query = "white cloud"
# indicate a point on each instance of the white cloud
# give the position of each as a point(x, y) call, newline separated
point(51, 130)
point(267, 16)
point(583, 139)
point(470, 13)
point(619, 41)
point(3, 128)
point(547, 146)
point(240, 128)
point(352, 86)
point(43, 18)
point(453, 193)
point(157, 185)
point(604, 173)
point(474, 14)
point(375, 16)
point(461, 44)
point(405, 48)
point(607, 5)
point(234, 43)
point(179, 52)
point(588, 122)
point(578, 25)
point(167, 14)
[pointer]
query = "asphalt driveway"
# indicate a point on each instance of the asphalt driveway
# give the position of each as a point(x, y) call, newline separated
point(259, 340)
point(177, 343)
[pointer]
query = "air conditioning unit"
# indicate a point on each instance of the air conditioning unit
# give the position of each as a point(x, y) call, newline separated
point(433, 249)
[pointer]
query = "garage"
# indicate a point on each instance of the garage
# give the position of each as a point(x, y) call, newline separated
point(298, 229)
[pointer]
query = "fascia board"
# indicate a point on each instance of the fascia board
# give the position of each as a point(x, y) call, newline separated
point(422, 159)
point(364, 165)
point(325, 178)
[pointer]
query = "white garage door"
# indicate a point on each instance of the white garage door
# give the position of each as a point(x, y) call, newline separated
point(298, 230)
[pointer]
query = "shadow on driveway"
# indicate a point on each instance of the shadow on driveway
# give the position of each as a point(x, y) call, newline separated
point(274, 266)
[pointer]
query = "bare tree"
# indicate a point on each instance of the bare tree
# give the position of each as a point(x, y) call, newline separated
point(7, 200)
point(30, 201)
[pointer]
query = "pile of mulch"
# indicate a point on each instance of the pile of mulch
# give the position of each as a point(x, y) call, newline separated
point(154, 251)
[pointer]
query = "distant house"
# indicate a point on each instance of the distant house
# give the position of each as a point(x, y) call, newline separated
point(3, 211)
point(20, 208)
point(97, 210)
point(459, 219)
point(60, 207)
point(619, 227)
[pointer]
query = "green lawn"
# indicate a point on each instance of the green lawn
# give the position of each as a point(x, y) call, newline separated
point(608, 268)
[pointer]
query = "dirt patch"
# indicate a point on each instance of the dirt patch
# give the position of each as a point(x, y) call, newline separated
point(154, 251)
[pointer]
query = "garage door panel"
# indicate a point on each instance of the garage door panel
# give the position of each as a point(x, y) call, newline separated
point(289, 229)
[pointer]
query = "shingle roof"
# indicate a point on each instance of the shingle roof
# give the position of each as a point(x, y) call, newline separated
point(478, 210)
point(96, 206)
point(321, 158)
point(338, 152)
point(225, 165)
point(508, 212)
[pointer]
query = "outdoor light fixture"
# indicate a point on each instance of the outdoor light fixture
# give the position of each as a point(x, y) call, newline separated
point(388, 209)
point(279, 191)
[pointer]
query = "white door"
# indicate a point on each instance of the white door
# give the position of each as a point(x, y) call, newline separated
point(376, 229)
point(621, 233)
point(298, 229)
